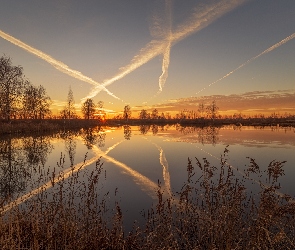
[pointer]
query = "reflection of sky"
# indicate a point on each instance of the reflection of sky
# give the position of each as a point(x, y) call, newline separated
point(133, 166)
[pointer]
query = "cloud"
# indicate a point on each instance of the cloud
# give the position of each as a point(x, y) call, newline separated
point(249, 102)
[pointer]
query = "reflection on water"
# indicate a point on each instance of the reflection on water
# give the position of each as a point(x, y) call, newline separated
point(127, 132)
point(137, 158)
point(20, 157)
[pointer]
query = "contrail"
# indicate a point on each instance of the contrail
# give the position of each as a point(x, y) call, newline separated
point(287, 39)
point(166, 54)
point(55, 63)
point(201, 18)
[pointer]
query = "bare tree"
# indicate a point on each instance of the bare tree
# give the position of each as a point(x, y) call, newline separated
point(201, 109)
point(127, 112)
point(144, 114)
point(11, 87)
point(155, 114)
point(36, 103)
point(100, 111)
point(70, 108)
point(88, 109)
point(212, 110)
point(69, 111)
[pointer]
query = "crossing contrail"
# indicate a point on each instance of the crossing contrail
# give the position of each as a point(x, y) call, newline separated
point(55, 63)
point(275, 46)
point(201, 18)
point(166, 54)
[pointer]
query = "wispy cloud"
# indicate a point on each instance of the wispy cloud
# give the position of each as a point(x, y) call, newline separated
point(55, 63)
point(258, 101)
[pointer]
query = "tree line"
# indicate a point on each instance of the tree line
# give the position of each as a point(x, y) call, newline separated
point(18, 97)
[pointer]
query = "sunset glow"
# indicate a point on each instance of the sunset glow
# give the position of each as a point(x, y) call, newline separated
point(126, 51)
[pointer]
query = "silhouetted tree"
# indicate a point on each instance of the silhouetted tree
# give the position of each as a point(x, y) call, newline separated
point(127, 112)
point(88, 109)
point(201, 109)
point(144, 114)
point(11, 87)
point(100, 111)
point(155, 114)
point(36, 103)
point(212, 110)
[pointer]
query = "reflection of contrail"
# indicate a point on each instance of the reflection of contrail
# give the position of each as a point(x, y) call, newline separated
point(67, 173)
point(57, 64)
point(145, 183)
point(287, 39)
point(200, 19)
point(166, 174)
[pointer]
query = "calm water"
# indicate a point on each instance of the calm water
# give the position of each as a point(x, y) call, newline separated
point(136, 158)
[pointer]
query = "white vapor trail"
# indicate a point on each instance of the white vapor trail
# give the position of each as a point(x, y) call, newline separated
point(201, 18)
point(275, 46)
point(55, 63)
point(166, 54)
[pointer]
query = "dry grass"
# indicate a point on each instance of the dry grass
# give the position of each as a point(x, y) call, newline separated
point(213, 210)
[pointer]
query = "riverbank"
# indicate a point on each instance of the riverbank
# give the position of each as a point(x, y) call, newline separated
point(55, 125)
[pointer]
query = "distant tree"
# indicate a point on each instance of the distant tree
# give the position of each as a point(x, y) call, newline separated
point(155, 114)
point(70, 107)
point(144, 114)
point(88, 109)
point(100, 110)
point(69, 111)
point(11, 87)
point(127, 112)
point(212, 110)
point(201, 109)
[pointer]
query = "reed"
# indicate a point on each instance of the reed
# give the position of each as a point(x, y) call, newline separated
point(214, 210)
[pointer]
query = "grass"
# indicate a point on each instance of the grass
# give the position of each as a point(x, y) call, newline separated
point(213, 210)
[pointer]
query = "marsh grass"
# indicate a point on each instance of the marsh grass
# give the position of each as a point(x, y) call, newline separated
point(213, 210)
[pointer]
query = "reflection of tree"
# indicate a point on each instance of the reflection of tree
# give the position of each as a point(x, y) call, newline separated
point(205, 135)
point(127, 132)
point(93, 136)
point(208, 135)
point(36, 149)
point(155, 129)
point(70, 145)
point(144, 129)
point(13, 170)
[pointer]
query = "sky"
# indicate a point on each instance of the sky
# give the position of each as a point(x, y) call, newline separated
point(164, 54)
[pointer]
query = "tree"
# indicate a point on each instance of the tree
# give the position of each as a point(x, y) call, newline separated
point(144, 114)
point(11, 87)
point(155, 114)
point(70, 108)
point(100, 111)
point(36, 103)
point(88, 109)
point(212, 110)
point(127, 112)
point(69, 111)
point(201, 108)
